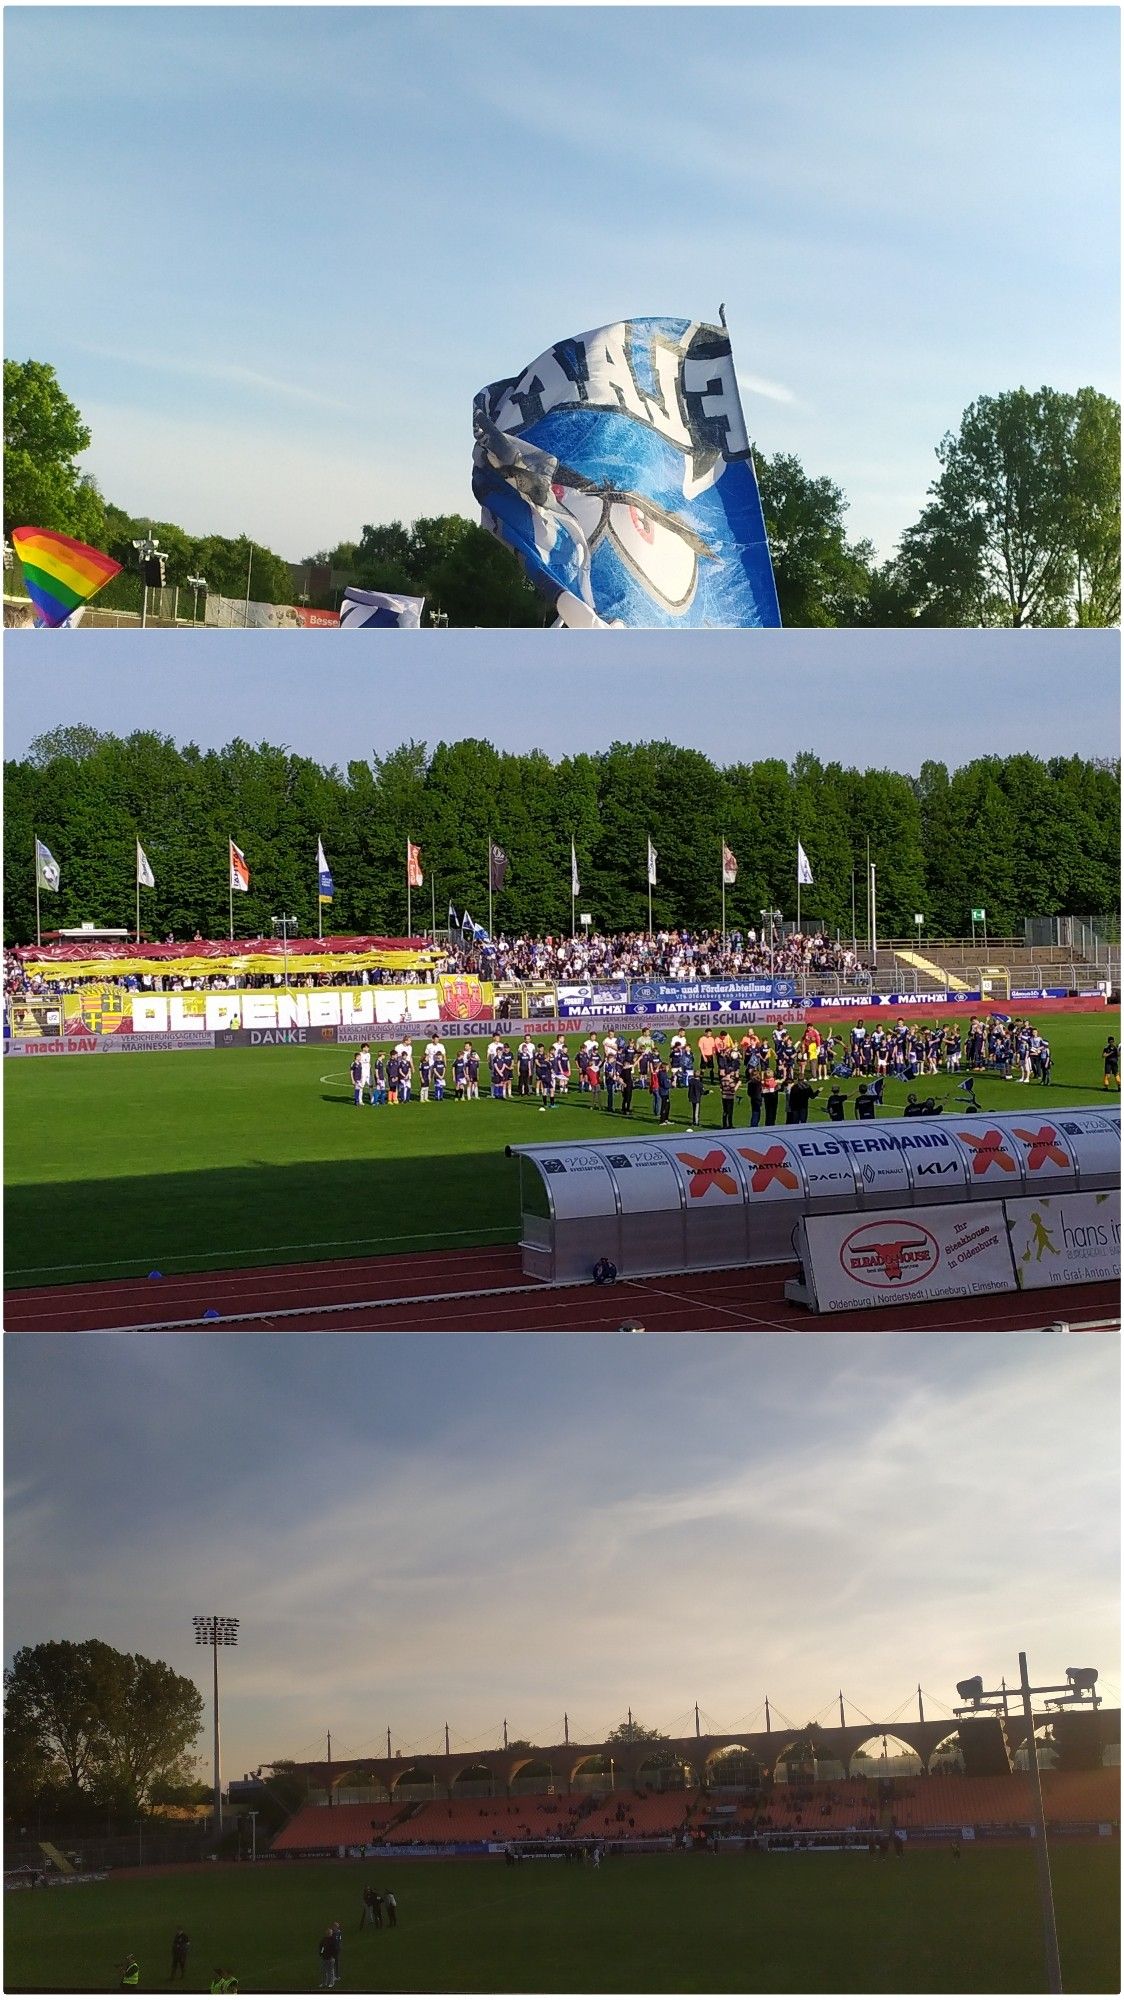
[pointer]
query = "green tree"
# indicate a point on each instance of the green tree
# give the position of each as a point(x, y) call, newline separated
point(115, 1723)
point(1022, 525)
point(43, 435)
point(821, 577)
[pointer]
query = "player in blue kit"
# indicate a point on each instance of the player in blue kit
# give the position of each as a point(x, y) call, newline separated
point(544, 1076)
point(473, 1073)
point(437, 1070)
point(425, 1071)
point(460, 1074)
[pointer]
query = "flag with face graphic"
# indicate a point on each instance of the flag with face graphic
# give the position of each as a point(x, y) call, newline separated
point(617, 467)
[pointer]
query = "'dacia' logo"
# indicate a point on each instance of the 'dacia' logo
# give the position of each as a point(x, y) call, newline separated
point(889, 1255)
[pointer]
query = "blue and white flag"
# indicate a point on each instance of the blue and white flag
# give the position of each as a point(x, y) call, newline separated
point(327, 889)
point(803, 867)
point(618, 468)
point(363, 610)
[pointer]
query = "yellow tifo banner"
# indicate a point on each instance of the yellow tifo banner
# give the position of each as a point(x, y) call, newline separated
point(235, 962)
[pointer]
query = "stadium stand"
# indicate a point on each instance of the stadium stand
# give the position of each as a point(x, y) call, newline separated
point(1073, 1798)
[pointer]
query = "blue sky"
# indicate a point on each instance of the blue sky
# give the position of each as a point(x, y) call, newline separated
point(274, 252)
point(419, 1529)
point(881, 699)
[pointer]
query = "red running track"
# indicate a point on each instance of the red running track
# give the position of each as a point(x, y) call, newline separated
point(490, 1295)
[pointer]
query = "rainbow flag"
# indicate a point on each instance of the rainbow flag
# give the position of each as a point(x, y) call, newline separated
point(60, 573)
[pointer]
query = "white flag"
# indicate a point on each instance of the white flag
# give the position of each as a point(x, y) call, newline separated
point(145, 876)
point(575, 885)
point(729, 865)
point(651, 866)
point(368, 610)
point(803, 870)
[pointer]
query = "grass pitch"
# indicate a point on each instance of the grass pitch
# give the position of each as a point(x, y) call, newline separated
point(121, 1165)
point(815, 1923)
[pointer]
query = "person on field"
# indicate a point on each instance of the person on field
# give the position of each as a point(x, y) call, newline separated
point(130, 1971)
point(628, 1078)
point(865, 1105)
point(180, 1943)
point(378, 1081)
point(223, 1981)
point(800, 1095)
point(473, 1072)
point(728, 1084)
point(1112, 1064)
point(392, 1909)
point(696, 1090)
point(836, 1106)
point(327, 1954)
point(369, 1900)
point(356, 1079)
point(770, 1095)
point(663, 1092)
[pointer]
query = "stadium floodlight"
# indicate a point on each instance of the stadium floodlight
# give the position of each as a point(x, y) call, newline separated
point(196, 584)
point(285, 927)
point(1079, 1686)
point(214, 1632)
point(439, 618)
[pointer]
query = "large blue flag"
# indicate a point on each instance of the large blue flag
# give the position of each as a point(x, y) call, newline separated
point(618, 468)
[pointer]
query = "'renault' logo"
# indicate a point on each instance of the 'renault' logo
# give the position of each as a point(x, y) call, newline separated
point(888, 1258)
point(769, 1168)
point(989, 1149)
point(1044, 1145)
point(711, 1172)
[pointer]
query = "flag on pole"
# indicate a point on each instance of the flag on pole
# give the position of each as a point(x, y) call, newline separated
point(414, 875)
point(729, 866)
point(497, 868)
point(60, 574)
point(803, 867)
point(618, 468)
point(575, 885)
point(452, 918)
point(368, 610)
point(327, 887)
point(239, 869)
point(47, 869)
point(651, 866)
point(145, 877)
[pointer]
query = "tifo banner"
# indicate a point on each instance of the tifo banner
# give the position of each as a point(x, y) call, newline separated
point(322, 1007)
point(35, 1017)
point(618, 469)
point(203, 959)
point(861, 1263)
point(1065, 1239)
point(463, 997)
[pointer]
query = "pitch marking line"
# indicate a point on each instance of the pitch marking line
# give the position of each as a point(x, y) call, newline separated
point(256, 1250)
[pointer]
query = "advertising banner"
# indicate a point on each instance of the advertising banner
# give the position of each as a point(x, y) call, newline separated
point(1065, 1239)
point(320, 1007)
point(710, 992)
point(858, 1264)
point(463, 997)
point(35, 1017)
point(102, 1045)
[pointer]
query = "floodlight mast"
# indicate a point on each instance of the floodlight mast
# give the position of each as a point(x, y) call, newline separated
point(214, 1632)
point(1078, 1686)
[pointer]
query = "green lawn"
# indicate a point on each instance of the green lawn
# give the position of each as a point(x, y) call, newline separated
point(653, 1923)
point(119, 1165)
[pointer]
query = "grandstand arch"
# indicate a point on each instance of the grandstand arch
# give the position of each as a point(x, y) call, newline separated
point(733, 1767)
point(416, 1782)
point(892, 1757)
point(663, 1770)
point(473, 1780)
point(594, 1771)
point(532, 1776)
point(946, 1759)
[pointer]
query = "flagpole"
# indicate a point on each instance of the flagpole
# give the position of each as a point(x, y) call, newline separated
point(649, 885)
point(136, 871)
point(573, 891)
point(490, 930)
point(409, 893)
point(798, 930)
point(433, 904)
point(868, 892)
point(38, 926)
point(230, 874)
point(722, 872)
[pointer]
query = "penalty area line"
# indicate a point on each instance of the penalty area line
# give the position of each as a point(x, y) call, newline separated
point(194, 1257)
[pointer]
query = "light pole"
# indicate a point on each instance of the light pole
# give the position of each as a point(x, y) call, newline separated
point(148, 551)
point(214, 1632)
point(281, 929)
point(1079, 1686)
point(196, 584)
point(252, 1816)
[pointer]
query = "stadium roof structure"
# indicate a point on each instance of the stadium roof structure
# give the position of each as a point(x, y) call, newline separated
point(1085, 1735)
